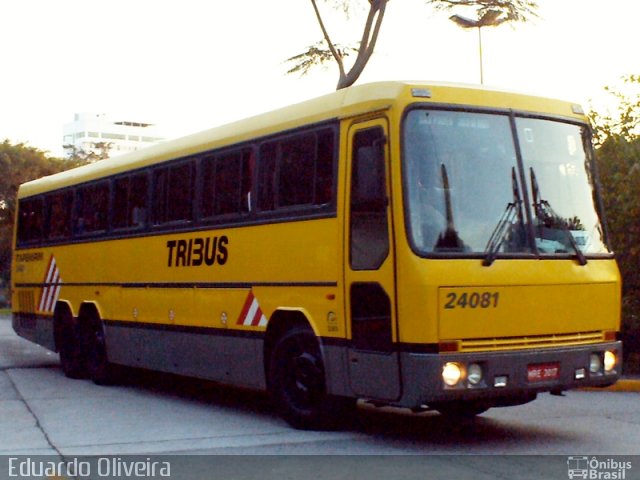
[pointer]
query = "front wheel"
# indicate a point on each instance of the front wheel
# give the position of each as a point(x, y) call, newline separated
point(297, 383)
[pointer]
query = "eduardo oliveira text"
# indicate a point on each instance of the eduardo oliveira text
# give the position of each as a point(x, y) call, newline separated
point(102, 467)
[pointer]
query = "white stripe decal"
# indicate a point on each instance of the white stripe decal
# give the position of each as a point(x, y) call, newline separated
point(51, 289)
point(251, 315)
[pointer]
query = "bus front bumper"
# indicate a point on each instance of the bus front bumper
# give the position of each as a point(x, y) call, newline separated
point(507, 378)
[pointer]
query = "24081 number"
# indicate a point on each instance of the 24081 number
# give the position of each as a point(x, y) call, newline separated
point(472, 300)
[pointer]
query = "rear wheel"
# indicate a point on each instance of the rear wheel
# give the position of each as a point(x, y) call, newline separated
point(70, 347)
point(297, 383)
point(100, 370)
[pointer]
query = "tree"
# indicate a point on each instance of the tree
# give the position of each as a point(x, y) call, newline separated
point(20, 163)
point(617, 138)
point(326, 50)
point(504, 10)
point(97, 151)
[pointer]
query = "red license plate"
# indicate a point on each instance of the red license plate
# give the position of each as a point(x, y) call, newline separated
point(543, 371)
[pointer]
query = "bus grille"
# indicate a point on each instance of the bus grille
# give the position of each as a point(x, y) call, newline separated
point(27, 308)
point(536, 341)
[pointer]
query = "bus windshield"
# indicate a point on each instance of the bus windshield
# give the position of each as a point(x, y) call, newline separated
point(557, 160)
point(464, 191)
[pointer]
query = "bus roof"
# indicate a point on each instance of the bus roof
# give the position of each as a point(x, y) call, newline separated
point(340, 104)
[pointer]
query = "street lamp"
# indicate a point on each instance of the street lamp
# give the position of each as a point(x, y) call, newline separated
point(490, 18)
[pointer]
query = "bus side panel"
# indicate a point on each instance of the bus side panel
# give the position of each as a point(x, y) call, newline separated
point(37, 329)
point(201, 353)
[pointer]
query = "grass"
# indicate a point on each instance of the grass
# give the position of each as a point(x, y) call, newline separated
point(5, 311)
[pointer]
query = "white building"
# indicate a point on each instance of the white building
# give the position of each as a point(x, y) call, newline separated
point(91, 132)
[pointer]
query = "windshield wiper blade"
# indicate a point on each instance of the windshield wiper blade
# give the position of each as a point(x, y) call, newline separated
point(544, 211)
point(513, 210)
point(449, 240)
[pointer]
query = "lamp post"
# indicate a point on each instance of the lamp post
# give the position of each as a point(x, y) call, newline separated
point(490, 18)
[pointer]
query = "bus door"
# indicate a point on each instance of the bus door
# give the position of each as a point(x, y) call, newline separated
point(374, 367)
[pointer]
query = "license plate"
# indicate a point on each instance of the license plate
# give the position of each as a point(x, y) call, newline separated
point(543, 371)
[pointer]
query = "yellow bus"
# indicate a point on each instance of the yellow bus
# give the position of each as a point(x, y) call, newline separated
point(428, 246)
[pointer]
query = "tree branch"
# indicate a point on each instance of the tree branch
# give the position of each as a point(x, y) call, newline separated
point(367, 44)
point(334, 52)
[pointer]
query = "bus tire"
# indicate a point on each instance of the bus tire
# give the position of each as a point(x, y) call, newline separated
point(69, 344)
point(100, 370)
point(297, 383)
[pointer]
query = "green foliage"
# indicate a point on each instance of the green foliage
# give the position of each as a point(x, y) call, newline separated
point(316, 55)
point(617, 137)
point(20, 163)
point(99, 151)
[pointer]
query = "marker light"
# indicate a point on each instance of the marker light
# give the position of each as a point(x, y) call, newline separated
point(609, 361)
point(474, 374)
point(451, 374)
point(595, 363)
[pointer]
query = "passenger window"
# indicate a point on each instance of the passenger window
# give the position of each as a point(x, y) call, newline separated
point(59, 215)
point(226, 184)
point(173, 193)
point(297, 171)
point(92, 207)
point(130, 201)
point(30, 220)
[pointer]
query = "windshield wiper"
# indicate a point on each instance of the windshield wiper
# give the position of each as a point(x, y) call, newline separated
point(513, 210)
point(449, 240)
point(545, 213)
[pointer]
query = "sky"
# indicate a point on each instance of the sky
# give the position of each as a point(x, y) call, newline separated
point(190, 65)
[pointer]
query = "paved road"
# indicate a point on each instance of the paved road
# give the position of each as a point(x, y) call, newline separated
point(44, 413)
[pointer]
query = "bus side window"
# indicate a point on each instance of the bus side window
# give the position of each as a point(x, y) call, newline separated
point(30, 220)
point(120, 199)
point(137, 205)
point(92, 206)
point(324, 168)
point(248, 167)
point(226, 184)
point(59, 215)
point(130, 201)
point(228, 181)
point(180, 193)
point(173, 193)
point(297, 171)
point(267, 176)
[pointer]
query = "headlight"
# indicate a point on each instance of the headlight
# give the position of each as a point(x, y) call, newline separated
point(451, 374)
point(595, 363)
point(474, 374)
point(609, 361)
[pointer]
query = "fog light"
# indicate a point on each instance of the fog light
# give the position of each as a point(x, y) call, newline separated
point(451, 374)
point(595, 363)
point(580, 374)
point(474, 374)
point(609, 361)
point(500, 381)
